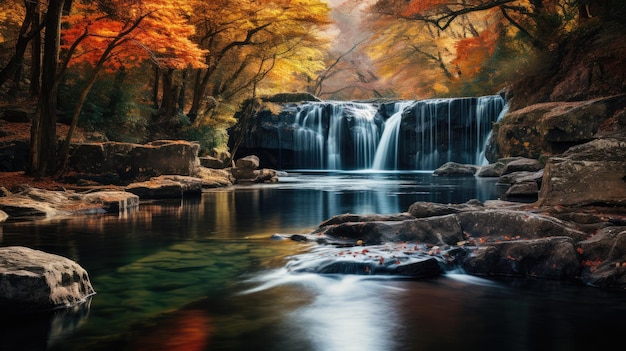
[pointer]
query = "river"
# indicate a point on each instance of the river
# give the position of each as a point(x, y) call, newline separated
point(205, 274)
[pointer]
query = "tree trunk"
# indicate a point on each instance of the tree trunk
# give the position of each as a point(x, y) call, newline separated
point(199, 90)
point(249, 109)
point(168, 99)
point(27, 30)
point(42, 161)
point(64, 152)
point(35, 58)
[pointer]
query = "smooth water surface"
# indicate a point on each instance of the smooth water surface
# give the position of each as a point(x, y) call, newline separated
point(205, 274)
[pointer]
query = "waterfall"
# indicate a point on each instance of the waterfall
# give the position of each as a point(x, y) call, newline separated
point(437, 131)
point(336, 135)
point(418, 135)
point(482, 157)
point(387, 150)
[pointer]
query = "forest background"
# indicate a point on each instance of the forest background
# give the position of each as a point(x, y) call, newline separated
point(141, 70)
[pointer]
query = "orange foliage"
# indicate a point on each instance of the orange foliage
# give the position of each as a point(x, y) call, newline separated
point(420, 6)
point(473, 52)
point(127, 33)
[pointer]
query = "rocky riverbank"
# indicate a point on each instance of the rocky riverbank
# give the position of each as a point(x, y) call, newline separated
point(572, 228)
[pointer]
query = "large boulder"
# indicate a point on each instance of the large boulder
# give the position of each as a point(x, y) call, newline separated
point(131, 162)
point(592, 173)
point(550, 128)
point(32, 281)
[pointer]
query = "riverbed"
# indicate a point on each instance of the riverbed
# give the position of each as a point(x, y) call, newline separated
point(205, 273)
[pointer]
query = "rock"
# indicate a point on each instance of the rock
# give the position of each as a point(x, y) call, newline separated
point(524, 184)
point(607, 271)
point(113, 201)
point(215, 178)
point(32, 281)
point(430, 209)
point(348, 217)
point(501, 224)
point(246, 171)
point(431, 230)
point(522, 165)
point(550, 128)
point(249, 162)
point(132, 162)
point(599, 246)
point(456, 169)
point(592, 173)
point(389, 259)
point(166, 187)
point(491, 170)
point(211, 162)
point(34, 202)
point(522, 189)
point(512, 178)
point(549, 258)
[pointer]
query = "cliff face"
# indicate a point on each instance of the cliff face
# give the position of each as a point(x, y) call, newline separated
point(577, 96)
point(587, 64)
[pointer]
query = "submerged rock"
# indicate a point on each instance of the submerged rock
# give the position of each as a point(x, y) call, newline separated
point(32, 281)
point(456, 169)
point(389, 259)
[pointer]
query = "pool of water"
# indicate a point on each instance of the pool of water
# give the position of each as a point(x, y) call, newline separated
point(204, 274)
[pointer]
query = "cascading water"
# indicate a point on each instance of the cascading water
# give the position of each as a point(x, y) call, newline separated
point(438, 131)
point(483, 156)
point(336, 136)
point(419, 135)
point(387, 150)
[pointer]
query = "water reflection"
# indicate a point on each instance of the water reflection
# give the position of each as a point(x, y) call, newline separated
point(203, 274)
point(347, 312)
point(44, 330)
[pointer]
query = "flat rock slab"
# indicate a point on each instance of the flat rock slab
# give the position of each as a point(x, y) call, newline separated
point(34, 202)
point(166, 187)
point(33, 281)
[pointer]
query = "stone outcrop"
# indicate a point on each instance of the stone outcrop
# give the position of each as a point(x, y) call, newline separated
point(126, 162)
point(33, 281)
point(551, 128)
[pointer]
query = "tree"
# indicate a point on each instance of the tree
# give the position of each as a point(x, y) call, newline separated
point(247, 40)
point(43, 146)
point(28, 30)
point(111, 35)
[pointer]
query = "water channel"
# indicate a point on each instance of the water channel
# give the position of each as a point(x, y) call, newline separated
point(205, 274)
